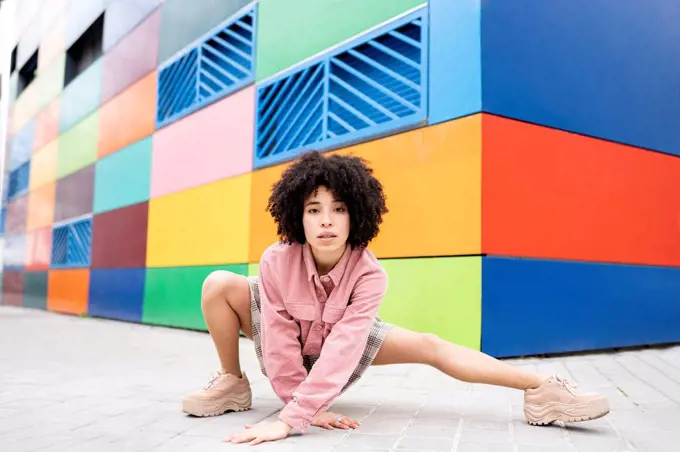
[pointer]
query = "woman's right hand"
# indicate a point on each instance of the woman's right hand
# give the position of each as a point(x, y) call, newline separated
point(330, 421)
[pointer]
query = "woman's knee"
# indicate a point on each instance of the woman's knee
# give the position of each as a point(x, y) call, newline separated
point(219, 284)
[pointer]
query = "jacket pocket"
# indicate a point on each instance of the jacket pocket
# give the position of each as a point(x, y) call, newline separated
point(300, 310)
point(332, 314)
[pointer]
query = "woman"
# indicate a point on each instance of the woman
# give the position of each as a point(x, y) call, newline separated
point(312, 314)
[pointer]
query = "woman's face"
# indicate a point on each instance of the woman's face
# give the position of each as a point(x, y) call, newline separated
point(325, 221)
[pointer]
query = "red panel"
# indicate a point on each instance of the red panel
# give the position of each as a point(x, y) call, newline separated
point(548, 193)
point(119, 238)
point(12, 288)
point(38, 249)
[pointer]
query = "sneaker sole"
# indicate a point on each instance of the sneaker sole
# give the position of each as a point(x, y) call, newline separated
point(548, 413)
point(202, 408)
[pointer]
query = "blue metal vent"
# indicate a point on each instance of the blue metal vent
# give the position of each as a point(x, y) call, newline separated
point(18, 180)
point(72, 244)
point(373, 85)
point(218, 64)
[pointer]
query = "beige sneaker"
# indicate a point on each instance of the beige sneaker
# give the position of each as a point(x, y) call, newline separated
point(557, 400)
point(225, 392)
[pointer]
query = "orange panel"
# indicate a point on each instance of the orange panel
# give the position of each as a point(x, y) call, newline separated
point(41, 207)
point(46, 125)
point(432, 181)
point(262, 226)
point(67, 290)
point(554, 194)
point(128, 117)
point(431, 177)
point(38, 249)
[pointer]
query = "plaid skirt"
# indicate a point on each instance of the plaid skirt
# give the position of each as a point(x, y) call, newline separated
point(376, 337)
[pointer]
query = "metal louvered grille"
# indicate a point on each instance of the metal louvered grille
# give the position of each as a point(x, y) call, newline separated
point(18, 180)
point(72, 244)
point(217, 65)
point(370, 86)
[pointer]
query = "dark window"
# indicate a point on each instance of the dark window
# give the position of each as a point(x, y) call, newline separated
point(27, 73)
point(13, 61)
point(84, 51)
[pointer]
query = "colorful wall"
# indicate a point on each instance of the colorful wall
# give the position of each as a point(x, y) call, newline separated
point(530, 152)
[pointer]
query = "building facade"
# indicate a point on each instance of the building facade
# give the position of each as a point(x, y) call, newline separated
point(530, 153)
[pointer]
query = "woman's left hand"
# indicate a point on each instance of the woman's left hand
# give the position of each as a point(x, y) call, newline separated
point(259, 433)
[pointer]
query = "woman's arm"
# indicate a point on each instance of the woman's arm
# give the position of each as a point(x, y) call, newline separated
point(281, 348)
point(340, 354)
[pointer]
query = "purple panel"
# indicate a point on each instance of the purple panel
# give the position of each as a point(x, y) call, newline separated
point(134, 57)
point(74, 195)
point(17, 211)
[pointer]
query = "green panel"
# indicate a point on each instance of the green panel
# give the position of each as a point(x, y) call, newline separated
point(52, 81)
point(436, 295)
point(253, 269)
point(78, 146)
point(124, 177)
point(81, 97)
point(293, 30)
point(181, 25)
point(35, 290)
point(172, 296)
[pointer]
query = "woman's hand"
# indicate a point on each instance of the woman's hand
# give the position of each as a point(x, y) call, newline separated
point(330, 421)
point(259, 433)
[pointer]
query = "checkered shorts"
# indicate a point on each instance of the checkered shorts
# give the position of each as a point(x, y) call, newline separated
point(376, 336)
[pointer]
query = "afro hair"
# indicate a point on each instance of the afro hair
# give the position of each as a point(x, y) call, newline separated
point(348, 177)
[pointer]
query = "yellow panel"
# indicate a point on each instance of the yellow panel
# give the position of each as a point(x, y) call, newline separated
point(432, 181)
point(201, 226)
point(44, 165)
point(26, 106)
point(263, 228)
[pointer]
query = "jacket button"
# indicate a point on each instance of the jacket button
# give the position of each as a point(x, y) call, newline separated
point(318, 327)
point(322, 298)
point(312, 350)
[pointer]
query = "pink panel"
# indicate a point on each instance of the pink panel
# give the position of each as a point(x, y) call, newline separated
point(211, 144)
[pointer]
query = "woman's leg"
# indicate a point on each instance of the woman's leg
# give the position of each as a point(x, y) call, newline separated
point(402, 346)
point(546, 398)
point(225, 302)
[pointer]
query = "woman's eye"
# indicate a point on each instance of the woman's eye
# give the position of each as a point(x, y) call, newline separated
point(340, 209)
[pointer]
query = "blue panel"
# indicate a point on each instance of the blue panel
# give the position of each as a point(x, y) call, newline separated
point(586, 66)
point(21, 146)
point(219, 64)
point(117, 293)
point(81, 97)
point(18, 180)
point(455, 59)
point(72, 244)
point(543, 306)
point(373, 85)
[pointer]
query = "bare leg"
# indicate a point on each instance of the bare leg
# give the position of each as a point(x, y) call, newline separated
point(402, 346)
point(225, 302)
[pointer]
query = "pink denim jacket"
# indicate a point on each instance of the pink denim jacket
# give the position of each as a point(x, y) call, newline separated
point(304, 314)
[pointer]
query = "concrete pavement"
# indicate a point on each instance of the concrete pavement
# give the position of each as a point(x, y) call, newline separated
point(79, 384)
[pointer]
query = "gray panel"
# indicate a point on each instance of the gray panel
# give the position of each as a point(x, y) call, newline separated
point(124, 15)
point(181, 24)
point(80, 15)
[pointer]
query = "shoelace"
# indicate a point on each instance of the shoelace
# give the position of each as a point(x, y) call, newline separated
point(568, 385)
point(212, 381)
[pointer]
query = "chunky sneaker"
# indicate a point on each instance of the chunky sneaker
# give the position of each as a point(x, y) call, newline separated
point(557, 400)
point(225, 392)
